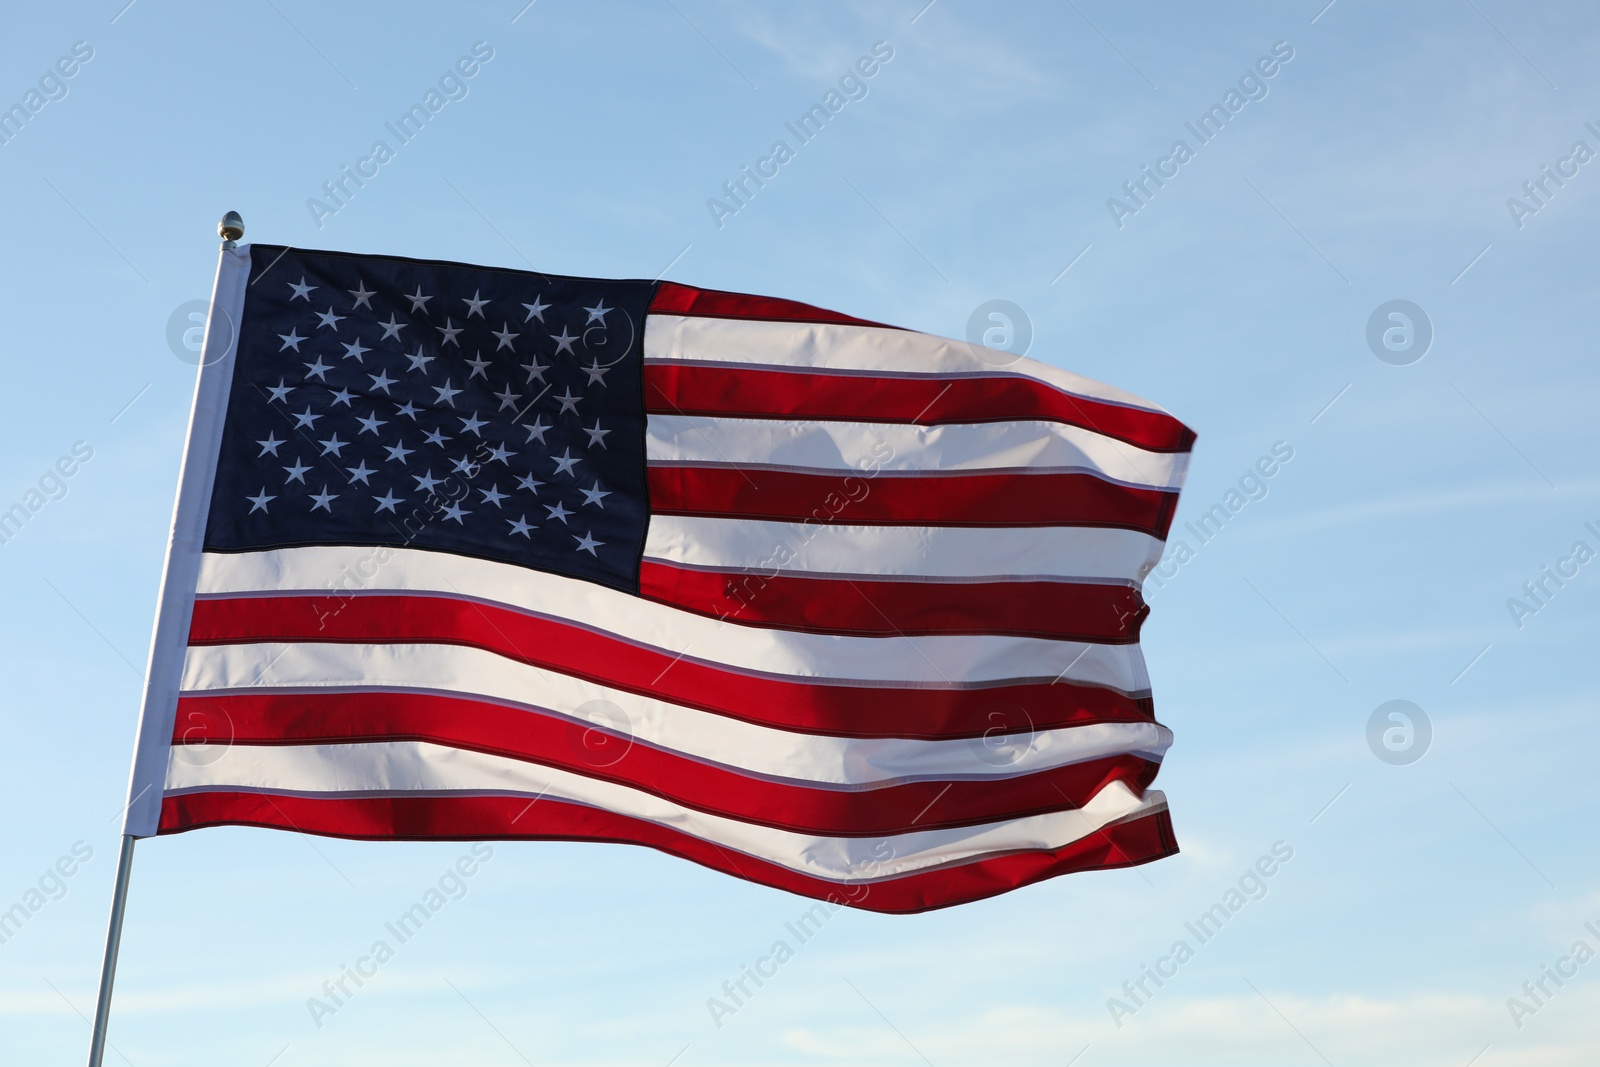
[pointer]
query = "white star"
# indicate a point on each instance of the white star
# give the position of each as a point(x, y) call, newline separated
point(269, 445)
point(447, 395)
point(537, 430)
point(471, 424)
point(535, 310)
point(343, 396)
point(399, 451)
point(535, 370)
point(596, 435)
point(302, 291)
point(329, 319)
point(333, 444)
point(370, 423)
point(474, 305)
point(387, 501)
point(354, 349)
point(588, 544)
point(304, 419)
point(381, 380)
point(280, 392)
point(594, 496)
point(564, 463)
point(598, 313)
point(596, 373)
point(568, 402)
point(499, 453)
point(408, 409)
point(528, 482)
point(434, 437)
point(480, 368)
point(508, 399)
point(260, 500)
point(296, 473)
point(505, 335)
point(455, 512)
point(419, 361)
point(465, 466)
point(360, 473)
point(418, 301)
point(324, 500)
point(291, 339)
point(493, 495)
point(564, 341)
point(363, 295)
point(392, 328)
point(449, 333)
point(426, 482)
point(519, 525)
point(557, 511)
point(318, 370)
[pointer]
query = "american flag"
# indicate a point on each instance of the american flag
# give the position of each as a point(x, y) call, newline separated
point(839, 608)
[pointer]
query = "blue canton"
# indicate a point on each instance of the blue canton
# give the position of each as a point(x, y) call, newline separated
point(385, 401)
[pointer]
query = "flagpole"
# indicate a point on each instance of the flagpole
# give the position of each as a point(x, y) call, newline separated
point(230, 229)
point(108, 966)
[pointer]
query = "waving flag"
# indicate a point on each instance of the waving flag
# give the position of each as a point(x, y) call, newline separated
point(831, 606)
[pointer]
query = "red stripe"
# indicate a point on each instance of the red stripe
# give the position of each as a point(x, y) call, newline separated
point(944, 499)
point(1070, 611)
point(472, 818)
point(551, 740)
point(674, 299)
point(811, 706)
point(737, 391)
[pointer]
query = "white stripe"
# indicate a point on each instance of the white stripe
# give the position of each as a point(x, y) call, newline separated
point(935, 661)
point(703, 736)
point(852, 348)
point(767, 547)
point(859, 446)
point(411, 767)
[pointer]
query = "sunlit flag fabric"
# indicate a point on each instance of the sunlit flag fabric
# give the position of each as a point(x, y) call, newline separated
point(835, 607)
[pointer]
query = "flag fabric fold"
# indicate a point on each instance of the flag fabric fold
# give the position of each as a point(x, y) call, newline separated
point(840, 608)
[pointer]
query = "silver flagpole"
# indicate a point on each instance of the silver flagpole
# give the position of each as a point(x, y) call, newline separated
point(230, 229)
point(108, 967)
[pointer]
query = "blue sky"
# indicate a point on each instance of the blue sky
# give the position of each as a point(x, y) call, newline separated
point(1378, 566)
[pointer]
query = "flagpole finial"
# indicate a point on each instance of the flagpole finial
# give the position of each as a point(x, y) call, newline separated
point(231, 228)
